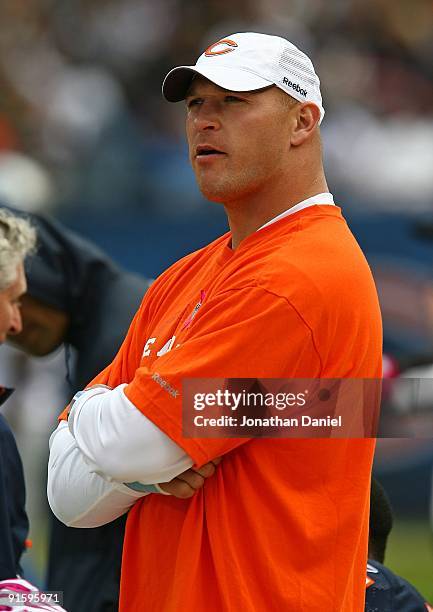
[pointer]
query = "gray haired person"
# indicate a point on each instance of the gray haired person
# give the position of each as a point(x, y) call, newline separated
point(17, 240)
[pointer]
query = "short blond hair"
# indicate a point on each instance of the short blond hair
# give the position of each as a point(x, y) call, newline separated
point(17, 239)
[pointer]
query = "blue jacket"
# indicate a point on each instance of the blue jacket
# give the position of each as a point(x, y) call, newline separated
point(14, 524)
point(387, 592)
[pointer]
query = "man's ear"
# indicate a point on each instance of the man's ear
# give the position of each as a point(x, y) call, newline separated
point(308, 117)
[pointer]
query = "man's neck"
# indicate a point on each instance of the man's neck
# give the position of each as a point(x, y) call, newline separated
point(246, 216)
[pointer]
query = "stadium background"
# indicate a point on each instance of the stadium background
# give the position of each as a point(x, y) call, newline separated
point(85, 136)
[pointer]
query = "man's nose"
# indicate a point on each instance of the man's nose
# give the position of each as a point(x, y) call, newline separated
point(16, 325)
point(208, 117)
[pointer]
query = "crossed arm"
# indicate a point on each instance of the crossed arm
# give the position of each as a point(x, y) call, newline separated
point(98, 468)
point(101, 458)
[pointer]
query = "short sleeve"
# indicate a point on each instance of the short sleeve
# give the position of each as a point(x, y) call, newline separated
point(122, 368)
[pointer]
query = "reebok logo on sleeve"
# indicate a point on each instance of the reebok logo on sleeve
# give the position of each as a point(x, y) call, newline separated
point(165, 385)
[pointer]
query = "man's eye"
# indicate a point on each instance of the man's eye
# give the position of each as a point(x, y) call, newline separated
point(233, 99)
point(193, 102)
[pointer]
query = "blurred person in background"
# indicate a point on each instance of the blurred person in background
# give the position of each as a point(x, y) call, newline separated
point(17, 239)
point(77, 296)
point(386, 592)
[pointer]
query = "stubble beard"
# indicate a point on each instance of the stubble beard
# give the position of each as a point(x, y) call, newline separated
point(225, 188)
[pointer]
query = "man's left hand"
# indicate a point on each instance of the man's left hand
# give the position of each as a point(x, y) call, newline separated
point(187, 483)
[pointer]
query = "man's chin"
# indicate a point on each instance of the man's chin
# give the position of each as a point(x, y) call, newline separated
point(219, 196)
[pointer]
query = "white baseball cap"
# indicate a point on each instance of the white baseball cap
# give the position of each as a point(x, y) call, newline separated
point(248, 61)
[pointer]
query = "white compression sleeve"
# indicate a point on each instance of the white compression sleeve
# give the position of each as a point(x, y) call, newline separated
point(77, 495)
point(120, 443)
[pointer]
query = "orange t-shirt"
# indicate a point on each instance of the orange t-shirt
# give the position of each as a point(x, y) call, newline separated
point(282, 524)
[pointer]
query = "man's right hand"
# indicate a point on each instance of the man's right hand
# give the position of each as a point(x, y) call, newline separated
point(187, 483)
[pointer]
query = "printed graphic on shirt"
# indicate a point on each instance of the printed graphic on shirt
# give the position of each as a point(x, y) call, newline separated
point(152, 347)
point(199, 304)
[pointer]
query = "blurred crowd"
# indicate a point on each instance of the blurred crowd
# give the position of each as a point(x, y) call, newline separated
point(83, 124)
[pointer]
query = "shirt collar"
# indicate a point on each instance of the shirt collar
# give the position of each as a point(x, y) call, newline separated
point(321, 198)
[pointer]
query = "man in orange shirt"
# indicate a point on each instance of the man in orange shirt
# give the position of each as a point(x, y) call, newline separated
point(287, 293)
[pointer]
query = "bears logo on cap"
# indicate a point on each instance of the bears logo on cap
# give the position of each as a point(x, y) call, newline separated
point(229, 45)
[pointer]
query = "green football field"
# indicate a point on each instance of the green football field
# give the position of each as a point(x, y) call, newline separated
point(410, 554)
